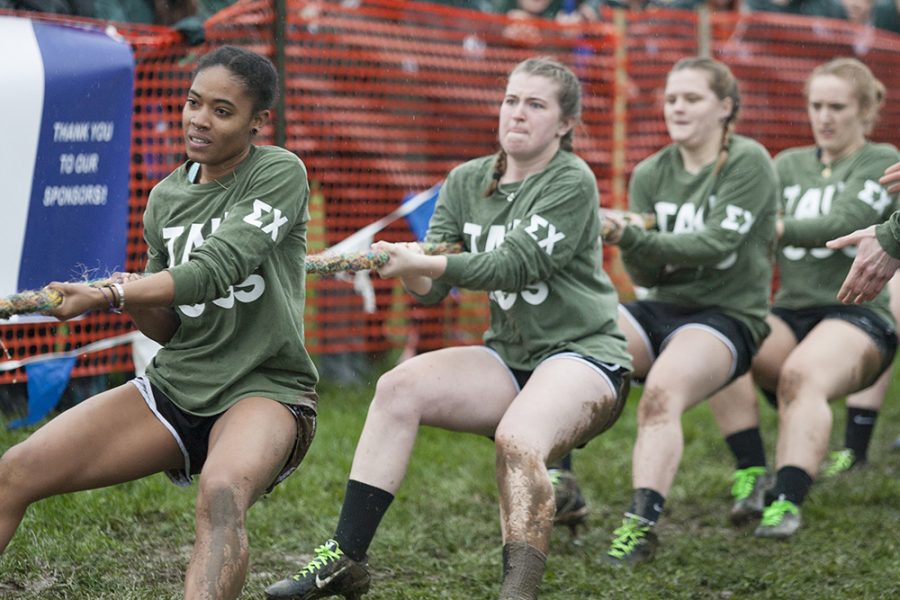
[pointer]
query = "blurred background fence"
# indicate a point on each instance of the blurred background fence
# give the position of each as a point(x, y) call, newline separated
point(383, 97)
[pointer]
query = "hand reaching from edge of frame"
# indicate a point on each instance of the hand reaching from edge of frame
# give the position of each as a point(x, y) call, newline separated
point(871, 269)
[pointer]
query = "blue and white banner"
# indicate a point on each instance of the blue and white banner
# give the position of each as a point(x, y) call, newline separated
point(423, 207)
point(416, 208)
point(65, 112)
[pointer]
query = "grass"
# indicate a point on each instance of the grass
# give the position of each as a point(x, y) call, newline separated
point(441, 538)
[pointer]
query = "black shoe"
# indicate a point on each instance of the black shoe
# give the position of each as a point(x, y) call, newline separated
point(330, 573)
point(571, 509)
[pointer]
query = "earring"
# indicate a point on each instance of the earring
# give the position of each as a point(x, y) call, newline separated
point(254, 131)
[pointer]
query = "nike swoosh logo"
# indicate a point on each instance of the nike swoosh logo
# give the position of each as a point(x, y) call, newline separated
point(321, 583)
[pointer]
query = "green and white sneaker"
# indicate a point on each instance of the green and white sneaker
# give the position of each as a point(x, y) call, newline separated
point(634, 542)
point(748, 492)
point(779, 520)
point(330, 573)
point(839, 462)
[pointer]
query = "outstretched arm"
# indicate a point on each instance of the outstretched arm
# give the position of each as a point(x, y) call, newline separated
point(871, 269)
point(147, 299)
point(873, 266)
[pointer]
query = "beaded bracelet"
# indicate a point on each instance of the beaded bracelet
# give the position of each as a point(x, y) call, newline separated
point(109, 298)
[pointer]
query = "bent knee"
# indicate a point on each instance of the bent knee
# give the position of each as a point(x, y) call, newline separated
point(793, 385)
point(18, 469)
point(221, 501)
point(219, 504)
point(656, 407)
point(398, 394)
point(517, 451)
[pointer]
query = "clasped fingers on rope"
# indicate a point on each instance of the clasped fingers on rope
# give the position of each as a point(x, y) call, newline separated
point(74, 299)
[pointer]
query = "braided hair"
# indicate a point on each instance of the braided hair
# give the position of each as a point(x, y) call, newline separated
point(568, 94)
point(724, 85)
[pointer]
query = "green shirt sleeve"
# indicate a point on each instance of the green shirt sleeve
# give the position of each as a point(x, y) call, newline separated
point(644, 272)
point(746, 185)
point(156, 259)
point(444, 226)
point(542, 242)
point(888, 235)
point(254, 225)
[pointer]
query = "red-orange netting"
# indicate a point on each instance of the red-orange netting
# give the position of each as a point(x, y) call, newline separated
point(383, 97)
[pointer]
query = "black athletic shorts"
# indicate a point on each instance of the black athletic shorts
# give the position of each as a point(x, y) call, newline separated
point(191, 432)
point(657, 322)
point(883, 335)
point(618, 377)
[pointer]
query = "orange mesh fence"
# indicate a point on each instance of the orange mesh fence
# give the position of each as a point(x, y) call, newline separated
point(155, 150)
point(382, 100)
point(772, 56)
point(653, 42)
point(383, 97)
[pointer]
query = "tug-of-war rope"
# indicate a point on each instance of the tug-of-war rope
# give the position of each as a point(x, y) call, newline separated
point(326, 263)
point(323, 263)
point(30, 301)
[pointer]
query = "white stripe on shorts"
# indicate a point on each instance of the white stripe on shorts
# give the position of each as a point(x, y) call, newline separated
point(569, 355)
point(641, 332)
point(715, 333)
point(500, 360)
point(177, 477)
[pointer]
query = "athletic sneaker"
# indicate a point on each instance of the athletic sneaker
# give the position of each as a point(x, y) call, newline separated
point(841, 461)
point(634, 542)
point(779, 520)
point(748, 491)
point(330, 573)
point(571, 509)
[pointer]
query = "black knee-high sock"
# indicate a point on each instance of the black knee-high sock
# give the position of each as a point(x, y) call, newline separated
point(361, 513)
point(860, 425)
point(793, 483)
point(747, 448)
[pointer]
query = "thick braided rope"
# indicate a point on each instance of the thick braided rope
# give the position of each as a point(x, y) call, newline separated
point(45, 300)
point(325, 263)
point(29, 302)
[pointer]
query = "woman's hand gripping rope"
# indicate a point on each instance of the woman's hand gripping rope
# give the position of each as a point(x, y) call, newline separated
point(613, 223)
point(50, 299)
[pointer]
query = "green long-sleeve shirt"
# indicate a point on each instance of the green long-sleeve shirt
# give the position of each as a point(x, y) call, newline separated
point(819, 206)
point(237, 257)
point(535, 247)
point(713, 244)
